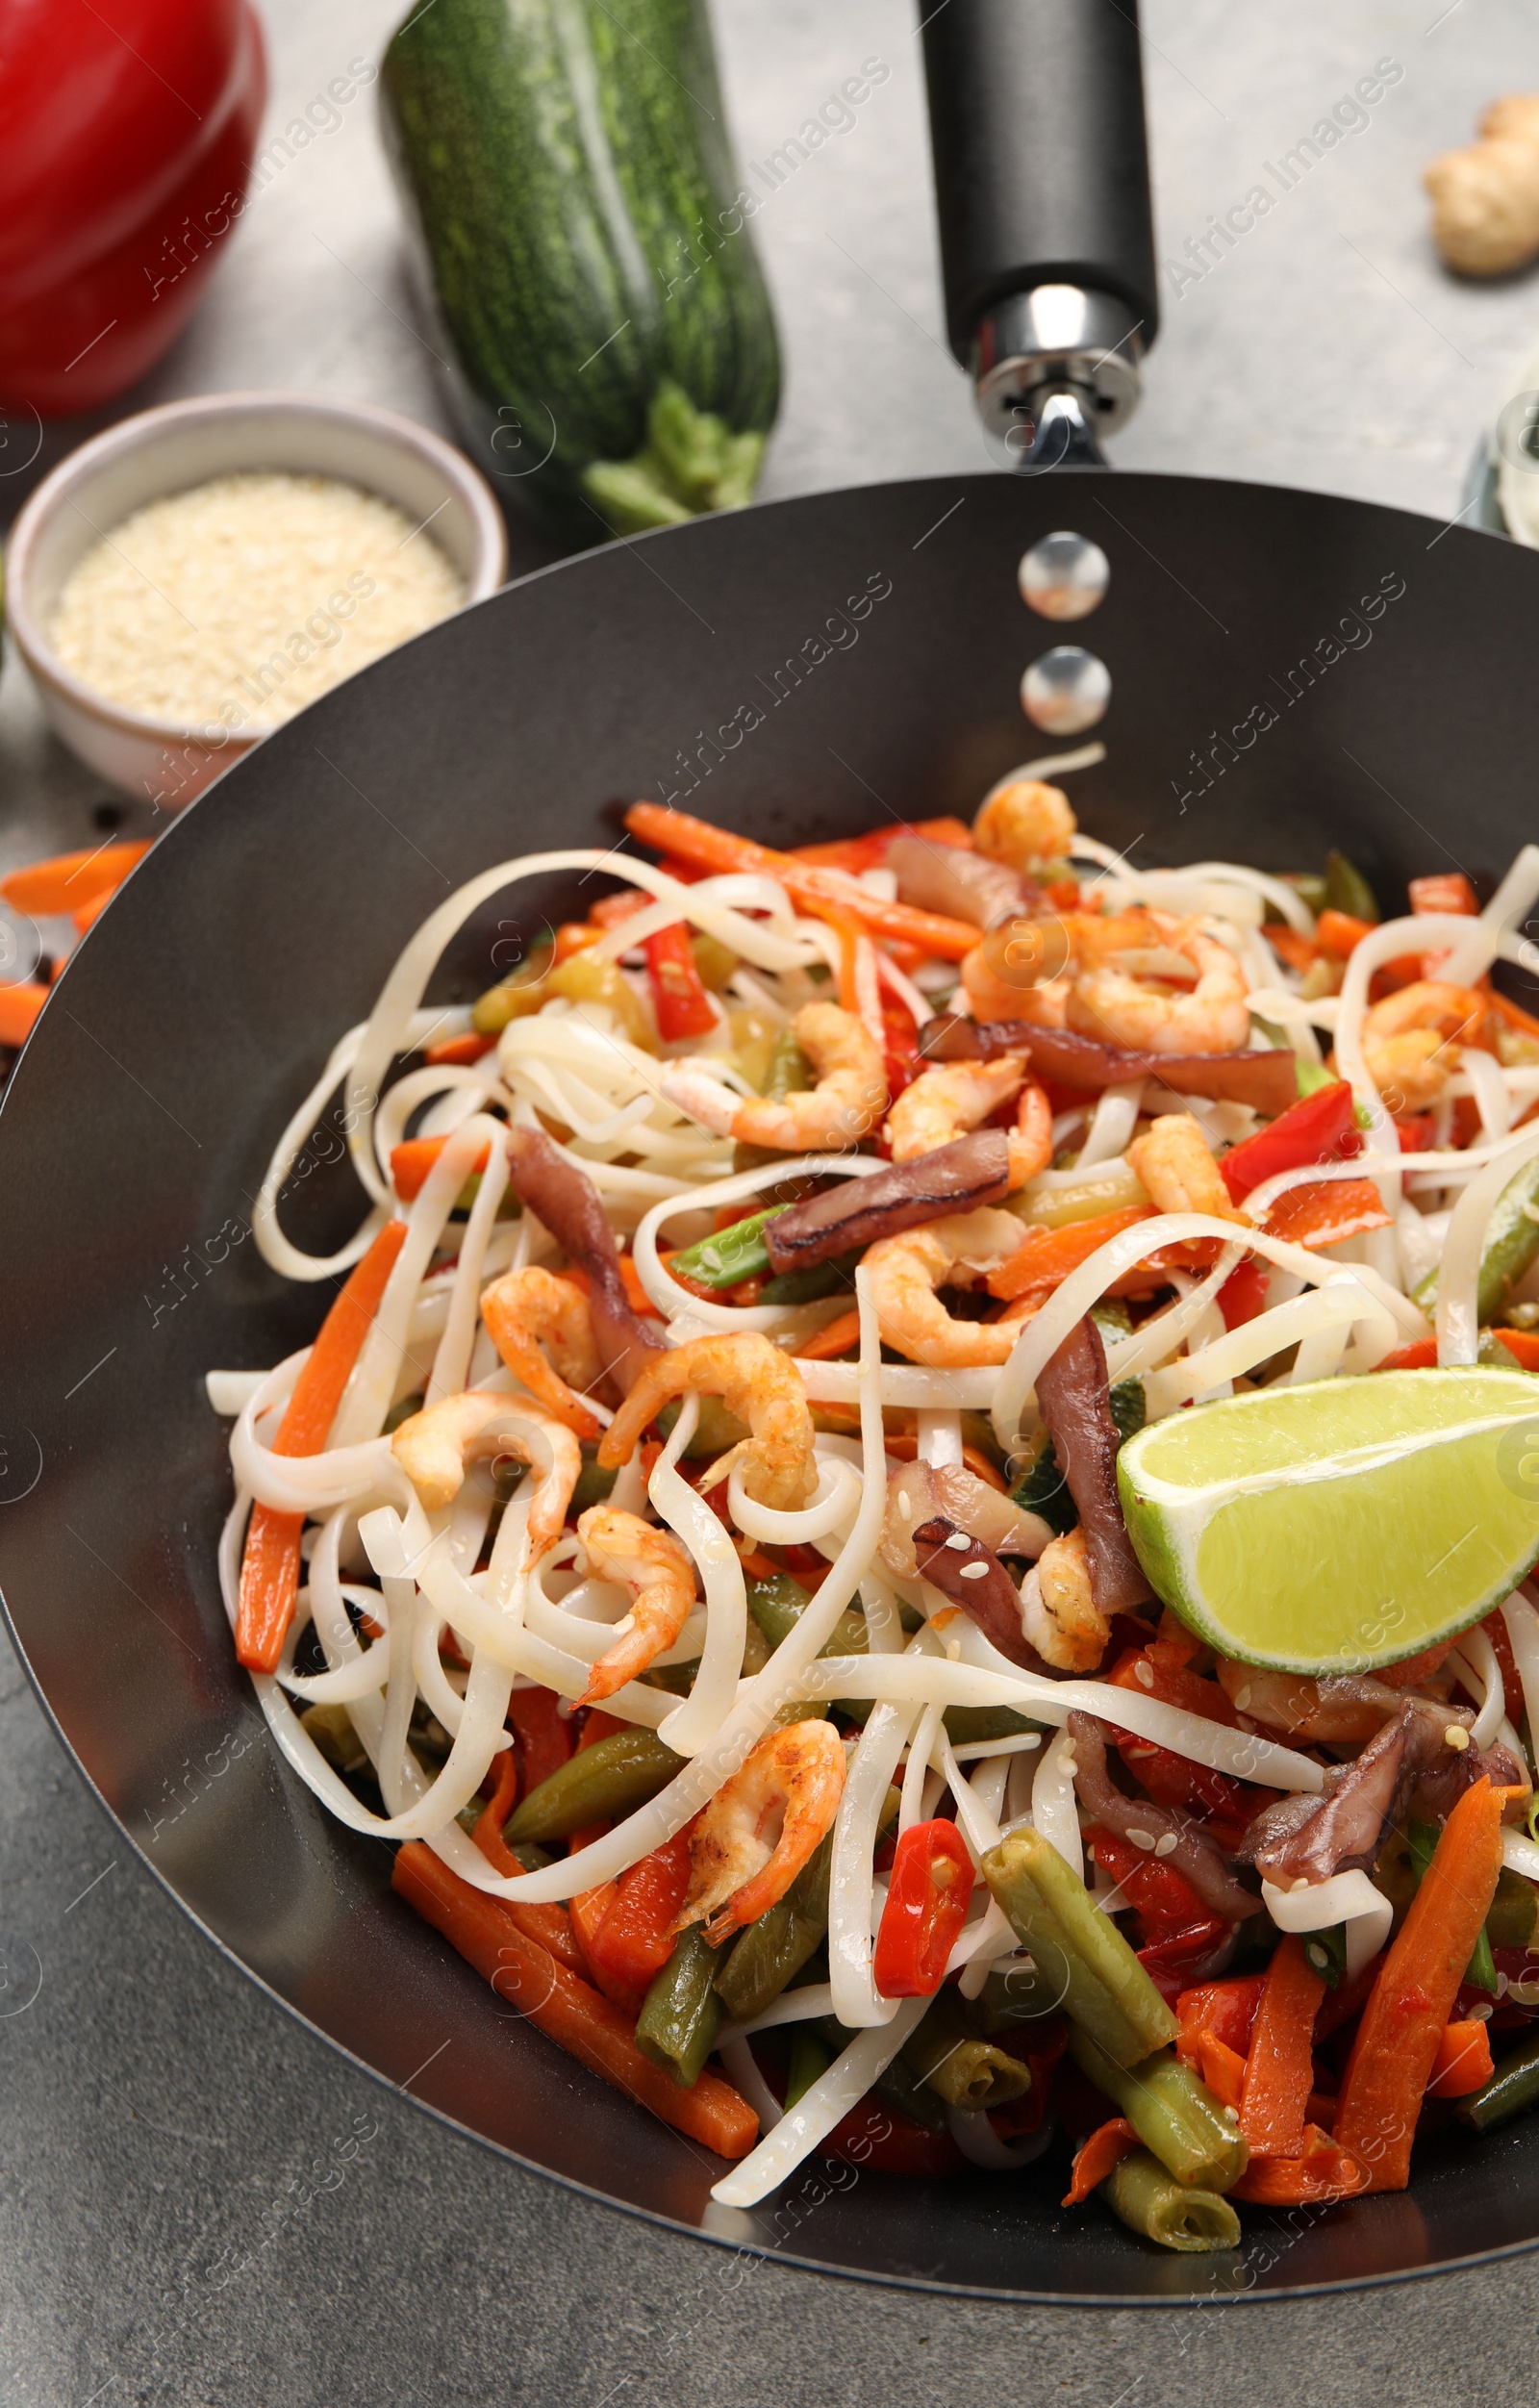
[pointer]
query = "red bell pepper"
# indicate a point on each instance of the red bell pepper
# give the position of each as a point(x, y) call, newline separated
point(900, 1046)
point(1172, 1780)
point(1310, 1131)
point(1447, 890)
point(1228, 2010)
point(127, 136)
point(635, 1936)
point(1244, 1292)
point(544, 1734)
point(679, 998)
point(1178, 1929)
point(926, 1907)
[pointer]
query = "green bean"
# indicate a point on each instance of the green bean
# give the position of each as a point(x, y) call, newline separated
point(1148, 2201)
point(331, 1728)
point(1173, 2112)
point(1513, 2090)
point(593, 1482)
point(1511, 1244)
point(736, 1253)
point(810, 2061)
point(1348, 890)
point(1482, 1970)
point(679, 2021)
point(768, 1954)
point(1024, 1994)
point(899, 2085)
point(946, 2053)
point(1327, 1954)
point(1105, 1988)
point(1514, 1911)
point(716, 1430)
point(1042, 1489)
point(778, 1605)
point(985, 1722)
point(809, 1287)
point(790, 1074)
point(611, 1778)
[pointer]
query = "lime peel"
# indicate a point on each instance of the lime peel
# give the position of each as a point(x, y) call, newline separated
point(1341, 1526)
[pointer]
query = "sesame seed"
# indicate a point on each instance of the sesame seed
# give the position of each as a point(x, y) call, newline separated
point(1144, 1674)
point(960, 1540)
point(1167, 1843)
point(1243, 1698)
point(1141, 1839)
point(973, 1571)
point(1457, 1737)
point(905, 1505)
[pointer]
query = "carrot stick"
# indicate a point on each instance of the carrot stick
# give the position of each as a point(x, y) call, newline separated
point(1049, 1256)
point(832, 1340)
point(1279, 2069)
point(1512, 1013)
point(411, 1163)
point(71, 881)
point(1419, 1355)
point(1322, 1212)
point(1322, 2170)
point(715, 849)
point(270, 1569)
point(1108, 2145)
point(1463, 2062)
point(590, 2027)
point(466, 1049)
point(867, 852)
point(19, 1007)
point(1397, 2042)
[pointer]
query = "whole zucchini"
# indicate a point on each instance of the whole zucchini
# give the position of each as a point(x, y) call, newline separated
point(567, 170)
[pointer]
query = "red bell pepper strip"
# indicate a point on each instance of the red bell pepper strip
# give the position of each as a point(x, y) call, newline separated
point(1310, 1131)
point(1339, 933)
point(1448, 890)
point(1165, 1898)
point(634, 1938)
point(1228, 2010)
point(1322, 1212)
point(679, 998)
point(1420, 1355)
point(269, 1568)
point(1094, 2159)
point(926, 1907)
point(1244, 1292)
point(127, 136)
point(1158, 1671)
point(543, 1736)
point(884, 2141)
point(1170, 1779)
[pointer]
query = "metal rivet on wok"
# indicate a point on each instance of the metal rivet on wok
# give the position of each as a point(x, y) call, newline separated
point(1065, 690)
point(1064, 577)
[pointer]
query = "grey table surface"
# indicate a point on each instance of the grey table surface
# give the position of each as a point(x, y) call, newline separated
point(157, 2109)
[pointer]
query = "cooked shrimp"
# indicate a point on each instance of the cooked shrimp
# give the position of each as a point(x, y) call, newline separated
point(1024, 822)
point(953, 1097)
point(760, 1827)
point(1058, 1614)
point(432, 1448)
point(756, 1382)
point(1411, 1039)
point(905, 1270)
point(847, 1100)
point(1174, 1162)
point(917, 1492)
point(655, 1568)
point(528, 1311)
point(1026, 969)
point(1212, 1017)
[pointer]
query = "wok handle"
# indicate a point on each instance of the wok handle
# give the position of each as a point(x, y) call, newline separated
point(1041, 180)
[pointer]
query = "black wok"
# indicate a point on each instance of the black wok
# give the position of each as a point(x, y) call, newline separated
point(1289, 673)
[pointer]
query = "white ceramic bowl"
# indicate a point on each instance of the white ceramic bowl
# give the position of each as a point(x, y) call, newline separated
point(186, 442)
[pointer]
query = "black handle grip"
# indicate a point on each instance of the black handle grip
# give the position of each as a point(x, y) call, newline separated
point(1041, 155)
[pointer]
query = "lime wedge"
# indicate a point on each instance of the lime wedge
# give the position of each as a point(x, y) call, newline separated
point(1332, 1528)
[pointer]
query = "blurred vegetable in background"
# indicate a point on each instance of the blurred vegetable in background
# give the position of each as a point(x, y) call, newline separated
point(569, 172)
point(126, 138)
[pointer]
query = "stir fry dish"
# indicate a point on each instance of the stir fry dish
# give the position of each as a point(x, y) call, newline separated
point(914, 1502)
